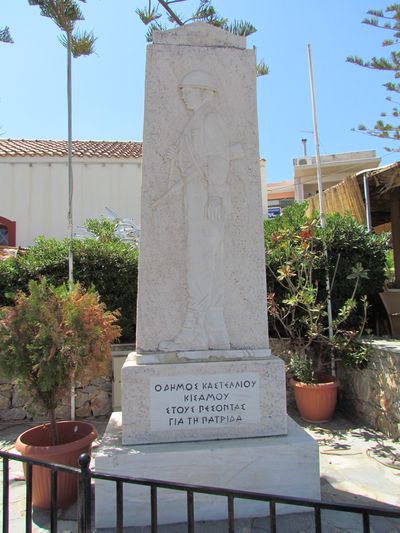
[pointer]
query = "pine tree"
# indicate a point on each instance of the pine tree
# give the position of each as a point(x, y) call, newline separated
point(5, 35)
point(205, 12)
point(65, 14)
point(387, 126)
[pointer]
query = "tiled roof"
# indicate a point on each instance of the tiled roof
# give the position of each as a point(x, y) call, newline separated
point(42, 148)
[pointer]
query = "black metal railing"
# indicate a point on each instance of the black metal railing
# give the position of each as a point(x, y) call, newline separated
point(86, 475)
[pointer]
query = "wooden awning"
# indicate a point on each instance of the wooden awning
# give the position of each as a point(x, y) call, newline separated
point(348, 196)
point(383, 185)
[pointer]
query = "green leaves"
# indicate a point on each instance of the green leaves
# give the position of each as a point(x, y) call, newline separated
point(296, 276)
point(5, 35)
point(149, 14)
point(205, 12)
point(302, 368)
point(65, 14)
point(389, 19)
point(358, 272)
point(262, 68)
point(82, 43)
point(107, 263)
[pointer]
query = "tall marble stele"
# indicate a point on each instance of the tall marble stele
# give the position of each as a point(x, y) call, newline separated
point(203, 391)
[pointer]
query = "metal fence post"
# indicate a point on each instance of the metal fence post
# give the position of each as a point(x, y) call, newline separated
point(84, 495)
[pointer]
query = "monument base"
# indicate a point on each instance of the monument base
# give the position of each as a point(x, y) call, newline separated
point(219, 395)
point(285, 465)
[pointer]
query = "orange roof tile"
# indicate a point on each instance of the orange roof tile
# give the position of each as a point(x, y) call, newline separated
point(42, 148)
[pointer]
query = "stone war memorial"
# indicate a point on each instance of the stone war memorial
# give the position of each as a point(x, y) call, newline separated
point(203, 398)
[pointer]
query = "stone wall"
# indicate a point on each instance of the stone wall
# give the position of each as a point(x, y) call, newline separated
point(372, 395)
point(92, 399)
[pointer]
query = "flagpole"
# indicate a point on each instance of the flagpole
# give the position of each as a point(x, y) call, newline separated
point(321, 200)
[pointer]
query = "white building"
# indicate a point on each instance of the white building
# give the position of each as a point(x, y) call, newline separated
point(334, 169)
point(34, 185)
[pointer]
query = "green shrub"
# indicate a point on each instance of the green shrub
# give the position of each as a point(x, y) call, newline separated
point(348, 244)
point(352, 244)
point(109, 265)
point(103, 228)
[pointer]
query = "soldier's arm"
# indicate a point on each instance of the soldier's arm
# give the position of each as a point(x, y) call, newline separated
point(217, 156)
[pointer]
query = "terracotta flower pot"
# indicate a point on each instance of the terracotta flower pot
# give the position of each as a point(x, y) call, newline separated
point(316, 402)
point(75, 438)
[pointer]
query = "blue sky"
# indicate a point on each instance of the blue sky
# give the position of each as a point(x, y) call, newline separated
point(108, 88)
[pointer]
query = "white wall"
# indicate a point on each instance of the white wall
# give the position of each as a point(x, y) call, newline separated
point(34, 193)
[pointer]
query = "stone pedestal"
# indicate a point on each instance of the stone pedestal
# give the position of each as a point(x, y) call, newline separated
point(285, 465)
point(222, 395)
point(203, 400)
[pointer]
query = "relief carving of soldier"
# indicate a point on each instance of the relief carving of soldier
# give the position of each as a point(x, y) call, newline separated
point(200, 166)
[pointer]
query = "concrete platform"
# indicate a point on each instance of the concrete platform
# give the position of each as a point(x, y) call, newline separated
point(285, 465)
point(358, 465)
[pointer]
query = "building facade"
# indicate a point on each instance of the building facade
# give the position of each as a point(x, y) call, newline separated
point(34, 186)
point(334, 169)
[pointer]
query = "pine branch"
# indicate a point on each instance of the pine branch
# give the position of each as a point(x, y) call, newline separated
point(241, 27)
point(82, 43)
point(171, 13)
point(377, 63)
point(148, 15)
point(373, 133)
point(5, 35)
point(155, 26)
point(389, 20)
point(262, 68)
point(381, 130)
point(205, 12)
point(65, 13)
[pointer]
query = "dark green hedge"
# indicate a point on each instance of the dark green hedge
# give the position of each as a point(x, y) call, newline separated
point(110, 266)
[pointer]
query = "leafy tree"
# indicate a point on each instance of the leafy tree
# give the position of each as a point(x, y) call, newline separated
point(205, 12)
point(387, 126)
point(65, 14)
point(5, 35)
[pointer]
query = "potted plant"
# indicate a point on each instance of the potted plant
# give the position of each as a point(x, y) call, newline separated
point(300, 314)
point(48, 339)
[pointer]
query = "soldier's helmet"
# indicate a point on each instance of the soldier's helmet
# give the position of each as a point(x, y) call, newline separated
point(199, 79)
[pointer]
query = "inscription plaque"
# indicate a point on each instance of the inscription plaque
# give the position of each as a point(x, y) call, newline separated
point(204, 401)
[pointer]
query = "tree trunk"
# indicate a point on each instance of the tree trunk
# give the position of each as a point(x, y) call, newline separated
point(53, 427)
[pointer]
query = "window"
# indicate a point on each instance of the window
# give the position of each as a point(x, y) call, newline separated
point(3, 234)
point(7, 232)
